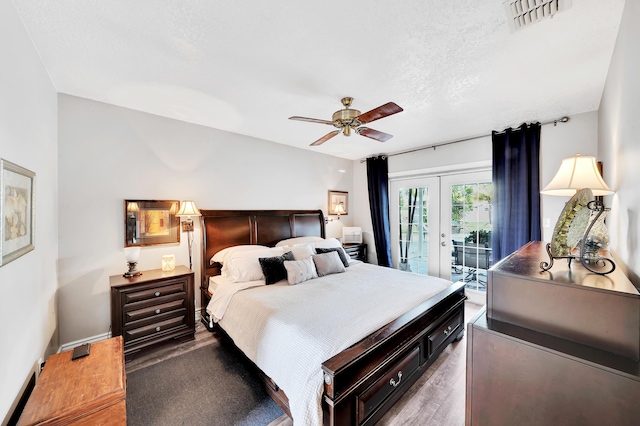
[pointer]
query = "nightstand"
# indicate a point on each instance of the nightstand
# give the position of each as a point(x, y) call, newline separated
point(356, 251)
point(153, 307)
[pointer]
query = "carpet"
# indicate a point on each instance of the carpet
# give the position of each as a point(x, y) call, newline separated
point(213, 385)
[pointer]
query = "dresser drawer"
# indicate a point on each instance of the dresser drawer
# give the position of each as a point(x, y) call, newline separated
point(155, 328)
point(176, 286)
point(153, 310)
point(383, 388)
point(439, 336)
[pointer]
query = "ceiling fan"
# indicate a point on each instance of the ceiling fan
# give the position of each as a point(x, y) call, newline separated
point(350, 119)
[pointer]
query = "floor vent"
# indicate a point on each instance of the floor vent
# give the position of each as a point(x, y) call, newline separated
point(524, 13)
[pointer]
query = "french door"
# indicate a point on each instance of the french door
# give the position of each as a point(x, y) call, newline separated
point(441, 226)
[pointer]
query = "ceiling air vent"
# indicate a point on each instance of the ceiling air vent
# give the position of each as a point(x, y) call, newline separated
point(524, 13)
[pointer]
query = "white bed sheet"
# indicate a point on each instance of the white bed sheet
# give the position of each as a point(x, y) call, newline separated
point(287, 331)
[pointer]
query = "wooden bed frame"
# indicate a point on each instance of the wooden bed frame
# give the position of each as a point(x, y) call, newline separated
point(365, 380)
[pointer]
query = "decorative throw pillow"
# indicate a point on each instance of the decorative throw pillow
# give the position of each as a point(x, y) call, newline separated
point(339, 250)
point(328, 263)
point(301, 251)
point(300, 270)
point(273, 267)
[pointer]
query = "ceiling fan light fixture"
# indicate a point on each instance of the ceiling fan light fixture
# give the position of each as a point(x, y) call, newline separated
point(347, 119)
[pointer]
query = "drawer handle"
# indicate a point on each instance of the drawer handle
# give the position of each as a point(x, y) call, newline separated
point(157, 293)
point(157, 328)
point(393, 383)
point(447, 331)
point(157, 311)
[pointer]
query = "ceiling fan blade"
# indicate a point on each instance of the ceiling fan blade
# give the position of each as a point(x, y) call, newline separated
point(385, 110)
point(374, 134)
point(325, 138)
point(311, 120)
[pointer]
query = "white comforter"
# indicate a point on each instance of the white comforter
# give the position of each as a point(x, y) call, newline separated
point(289, 331)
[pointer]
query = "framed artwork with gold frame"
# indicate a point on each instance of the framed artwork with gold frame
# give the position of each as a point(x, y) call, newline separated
point(337, 198)
point(151, 222)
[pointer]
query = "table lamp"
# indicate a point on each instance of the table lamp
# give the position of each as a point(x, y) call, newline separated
point(580, 178)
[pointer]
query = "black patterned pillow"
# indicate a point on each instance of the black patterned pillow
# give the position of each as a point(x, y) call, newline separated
point(339, 250)
point(273, 267)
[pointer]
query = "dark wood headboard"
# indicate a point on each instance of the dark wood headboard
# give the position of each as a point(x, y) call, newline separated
point(226, 228)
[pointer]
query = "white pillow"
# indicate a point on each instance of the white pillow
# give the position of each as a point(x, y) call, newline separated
point(244, 265)
point(301, 251)
point(222, 254)
point(328, 243)
point(298, 240)
point(300, 270)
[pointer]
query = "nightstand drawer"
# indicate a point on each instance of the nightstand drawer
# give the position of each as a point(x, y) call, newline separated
point(356, 251)
point(153, 311)
point(154, 328)
point(176, 286)
point(152, 303)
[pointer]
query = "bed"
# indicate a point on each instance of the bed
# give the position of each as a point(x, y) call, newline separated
point(360, 381)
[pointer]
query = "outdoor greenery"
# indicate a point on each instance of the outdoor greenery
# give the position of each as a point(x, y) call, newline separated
point(480, 237)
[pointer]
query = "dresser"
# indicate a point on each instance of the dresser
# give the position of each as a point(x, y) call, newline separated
point(559, 347)
point(356, 251)
point(86, 391)
point(153, 307)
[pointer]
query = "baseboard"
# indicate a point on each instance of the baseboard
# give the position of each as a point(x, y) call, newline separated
point(104, 336)
point(92, 339)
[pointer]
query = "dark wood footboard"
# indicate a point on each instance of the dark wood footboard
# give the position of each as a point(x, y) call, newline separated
point(365, 380)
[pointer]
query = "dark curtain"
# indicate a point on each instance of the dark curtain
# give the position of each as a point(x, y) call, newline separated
point(378, 180)
point(516, 189)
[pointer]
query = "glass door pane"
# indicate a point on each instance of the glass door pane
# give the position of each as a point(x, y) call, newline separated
point(469, 224)
point(414, 217)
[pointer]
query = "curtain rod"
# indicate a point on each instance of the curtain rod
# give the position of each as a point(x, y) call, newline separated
point(434, 146)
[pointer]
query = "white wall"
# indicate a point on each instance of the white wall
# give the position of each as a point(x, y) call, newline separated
point(28, 109)
point(619, 142)
point(579, 135)
point(108, 154)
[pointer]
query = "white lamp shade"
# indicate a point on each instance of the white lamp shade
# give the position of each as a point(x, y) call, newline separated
point(577, 173)
point(339, 209)
point(188, 208)
point(132, 254)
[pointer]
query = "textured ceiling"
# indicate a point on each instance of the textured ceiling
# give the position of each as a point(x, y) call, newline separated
point(246, 66)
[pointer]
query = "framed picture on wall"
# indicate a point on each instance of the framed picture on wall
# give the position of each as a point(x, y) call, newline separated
point(338, 203)
point(151, 222)
point(17, 211)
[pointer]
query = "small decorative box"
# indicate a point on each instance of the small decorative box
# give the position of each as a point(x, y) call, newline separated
point(168, 263)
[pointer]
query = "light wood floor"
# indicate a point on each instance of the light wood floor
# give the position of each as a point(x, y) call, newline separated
point(437, 398)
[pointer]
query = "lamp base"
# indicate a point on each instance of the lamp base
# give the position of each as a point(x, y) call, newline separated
point(132, 272)
point(589, 257)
